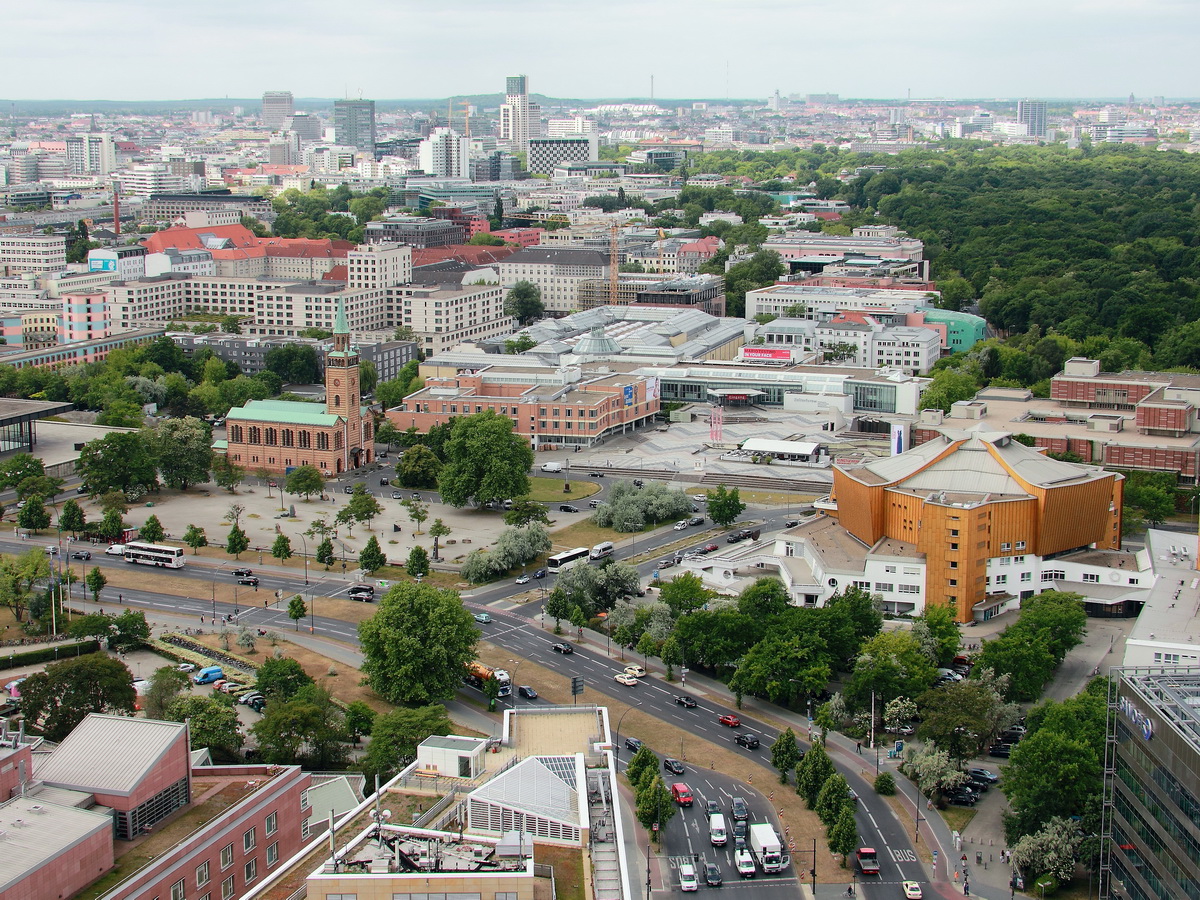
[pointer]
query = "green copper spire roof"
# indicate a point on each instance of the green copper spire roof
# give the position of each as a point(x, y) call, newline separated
point(340, 325)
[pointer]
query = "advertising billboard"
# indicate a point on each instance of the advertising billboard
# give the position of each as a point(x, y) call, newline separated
point(102, 265)
point(778, 353)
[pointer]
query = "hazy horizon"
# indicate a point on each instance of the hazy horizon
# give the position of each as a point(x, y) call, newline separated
point(141, 50)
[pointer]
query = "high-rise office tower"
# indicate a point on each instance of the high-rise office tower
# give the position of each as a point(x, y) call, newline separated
point(277, 106)
point(1032, 114)
point(304, 124)
point(354, 124)
point(519, 119)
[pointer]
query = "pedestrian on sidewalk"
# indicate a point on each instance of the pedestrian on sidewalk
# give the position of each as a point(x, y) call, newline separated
point(858, 747)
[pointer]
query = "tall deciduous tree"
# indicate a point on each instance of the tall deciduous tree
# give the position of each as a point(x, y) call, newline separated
point(281, 679)
point(226, 473)
point(419, 468)
point(282, 548)
point(297, 610)
point(211, 723)
point(725, 505)
point(53, 702)
point(416, 646)
point(524, 302)
point(119, 461)
point(785, 753)
point(438, 530)
point(418, 562)
point(236, 542)
point(166, 684)
point(183, 449)
point(71, 518)
point(151, 531)
point(362, 506)
point(485, 460)
point(33, 516)
point(195, 538)
point(372, 558)
point(417, 511)
point(304, 481)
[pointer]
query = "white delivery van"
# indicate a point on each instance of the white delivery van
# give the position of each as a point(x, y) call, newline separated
point(716, 830)
point(551, 467)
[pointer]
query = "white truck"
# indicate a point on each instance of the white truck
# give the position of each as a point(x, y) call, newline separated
point(767, 847)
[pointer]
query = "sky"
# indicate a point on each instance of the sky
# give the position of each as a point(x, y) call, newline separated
point(712, 49)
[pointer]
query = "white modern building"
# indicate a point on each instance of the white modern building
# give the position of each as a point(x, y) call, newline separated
point(557, 273)
point(92, 154)
point(38, 253)
point(446, 154)
point(520, 119)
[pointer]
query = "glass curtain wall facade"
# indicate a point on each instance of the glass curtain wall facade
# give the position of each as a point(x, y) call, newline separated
point(1151, 823)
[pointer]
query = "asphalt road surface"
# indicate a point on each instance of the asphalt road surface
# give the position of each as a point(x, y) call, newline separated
point(510, 629)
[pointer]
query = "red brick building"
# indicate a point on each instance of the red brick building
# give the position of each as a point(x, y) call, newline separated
point(1122, 420)
point(132, 779)
point(575, 413)
point(278, 435)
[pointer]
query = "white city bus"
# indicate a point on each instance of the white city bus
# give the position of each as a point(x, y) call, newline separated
point(154, 555)
point(603, 549)
point(560, 562)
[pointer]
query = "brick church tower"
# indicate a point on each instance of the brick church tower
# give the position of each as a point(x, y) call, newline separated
point(342, 397)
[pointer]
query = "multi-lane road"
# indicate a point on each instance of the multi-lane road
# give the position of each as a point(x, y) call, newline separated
point(511, 628)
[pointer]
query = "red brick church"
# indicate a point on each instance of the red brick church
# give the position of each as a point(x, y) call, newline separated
point(279, 435)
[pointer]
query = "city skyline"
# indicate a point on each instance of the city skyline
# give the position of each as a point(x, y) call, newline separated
point(925, 49)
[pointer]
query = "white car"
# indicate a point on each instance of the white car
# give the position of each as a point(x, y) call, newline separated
point(681, 526)
point(687, 878)
point(912, 890)
point(627, 680)
point(700, 498)
point(524, 579)
point(185, 667)
point(635, 671)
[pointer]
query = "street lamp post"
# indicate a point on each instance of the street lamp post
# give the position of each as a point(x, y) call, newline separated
point(304, 550)
point(513, 681)
point(633, 546)
point(617, 730)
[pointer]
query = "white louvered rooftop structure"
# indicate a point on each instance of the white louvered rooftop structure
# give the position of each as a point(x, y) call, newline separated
point(538, 796)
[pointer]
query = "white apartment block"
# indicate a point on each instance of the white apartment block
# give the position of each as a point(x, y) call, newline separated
point(557, 272)
point(92, 153)
point(909, 349)
point(150, 178)
point(794, 245)
point(277, 308)
point(822, 302)
point(378, 265)
point(38, 253)
point(445, 153)
point(442, 317)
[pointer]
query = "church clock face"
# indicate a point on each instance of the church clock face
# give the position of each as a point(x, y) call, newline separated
point(337, 382)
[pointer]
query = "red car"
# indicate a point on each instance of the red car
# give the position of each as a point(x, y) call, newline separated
point(730, 720)
point(711, 548)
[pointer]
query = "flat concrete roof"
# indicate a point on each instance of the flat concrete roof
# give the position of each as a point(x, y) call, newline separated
point(1006, 412)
